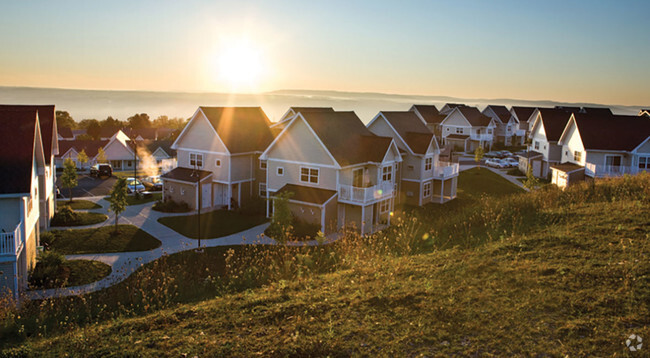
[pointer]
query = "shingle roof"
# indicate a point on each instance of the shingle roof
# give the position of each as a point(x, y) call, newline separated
point(567, 167)
point(346, 138)
point(523, 113)
point(90, 146)
point(107, 132)
point(614, 132)
point(186, 174)
point(65, 132)
point(46, 120)
point(474, 116)
point(307, 194)
point(407, 124)
point(597, 110)
point(429, 113)
point(242, 129)
point(554, 121)
point(502, 112)
point(153, 145)
point(568, 108)
point(457, 136)
point(17, 137)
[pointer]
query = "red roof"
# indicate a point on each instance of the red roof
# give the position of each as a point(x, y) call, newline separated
point(523, 113)
point(307, 194)
point(65, 132)
point(89, 146)
point(554, 121)
point(429, 113)
point(502, 112)
point(242, 129)
point(615, 132)
point(474, 116)
point(47, 121)
point(16, 157)
point(415, 133)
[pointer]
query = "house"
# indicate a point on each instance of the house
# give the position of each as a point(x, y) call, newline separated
point(220, 148)
point(65, 134)
point(601, 111)
point(545, 134)
point(70, 149)
point(597, 146)
point(106, 133)
point(158, 153)
point(525, 116)
point(22, 181)
point(339, 173)
point(48, 129)
point(152, 133)
point(448, 107)
point(644, 112)
point(466, 128)
point(430, 116)
point(421, 177)
point(507, 125)
point(291, 112)
point(570, 109)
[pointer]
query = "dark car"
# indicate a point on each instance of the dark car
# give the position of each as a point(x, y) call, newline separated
point(101, 170)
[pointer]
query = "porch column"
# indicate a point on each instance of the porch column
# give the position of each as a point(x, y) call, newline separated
point(229, 195)
point(363, 212)
point(322, 219)
point(442, 191)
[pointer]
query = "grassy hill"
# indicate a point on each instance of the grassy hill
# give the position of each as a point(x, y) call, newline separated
point(547, 273)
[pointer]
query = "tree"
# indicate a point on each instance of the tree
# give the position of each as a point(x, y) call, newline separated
point(111, 122)
point(138, 121)
point(161, 121)
point(93, 129)
point(101, 156)
point(64, 120)
point(82, 158)
point(478, 155)
point(280, 228)
point(531, 181)
point(69, 176)
point(117, 199)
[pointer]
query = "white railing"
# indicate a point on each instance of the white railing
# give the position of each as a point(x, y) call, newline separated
point(11, 242)
point(520, 132)
point(481, 136)
point(365, 195)
point(445, 170)
point(595, 170)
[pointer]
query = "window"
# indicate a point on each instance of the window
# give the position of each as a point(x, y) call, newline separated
point(262, 190)
point(459, 130)
point(384, 206)
point(217, 163)
point(566, 153)
point(426, 190)
point(387, 173)
point(428, 163)
point(410, 168)
point(129, 163)
point(263, 164)
point(577, 156)
point(196, 160)
point(280, 171)
point(644, 162)
point(309, 175)
point(448, 129)
point(536, 145)
point(182, 191)
point(171, 189)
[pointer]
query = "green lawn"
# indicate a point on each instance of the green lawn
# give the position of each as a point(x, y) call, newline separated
point(76, 273)
point(78, 204)
point(213, 224)
point(82, 219)
point(99, 240)
point(132, 200)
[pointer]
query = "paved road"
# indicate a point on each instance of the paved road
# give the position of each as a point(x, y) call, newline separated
point(88, 186)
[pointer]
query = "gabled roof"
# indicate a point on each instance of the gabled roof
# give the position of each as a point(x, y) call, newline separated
point(18, 136)
point(523, 113)
point(107, 132)
point(567, 167)
point(501, 111)
point(597, 110)
point(153, 145)
point(428, 112)
point(91, 147)
point(242, 129)
point(307, 194)
point(615, 132)
point(411, 129)
point(186, 174)
point(346, 138)
point(474, 116)
point(554, 120)
point(448, 107)
point(292, 111)
point(47, 122)
point(65, 132)
point(644, 112)
point(568, 108)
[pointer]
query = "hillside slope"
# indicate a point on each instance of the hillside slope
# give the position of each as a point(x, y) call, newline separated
point(578, 286)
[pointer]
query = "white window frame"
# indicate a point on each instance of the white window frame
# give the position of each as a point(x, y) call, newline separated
point(263, 164)
point(217, 163)
point(384, 206)
point(262, 189)
point(171, 189)
point(428, 163)
point(198, 158)
point(646, 164)
point(310, 175)
point(387, 173)
point(536, 145)
point(459, 130)
point(577, 156)
point(280, 171)
point(426, 189)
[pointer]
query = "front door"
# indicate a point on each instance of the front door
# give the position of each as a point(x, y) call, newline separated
point(206, 195)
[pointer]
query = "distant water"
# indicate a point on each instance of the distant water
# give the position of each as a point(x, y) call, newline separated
point(98, 104)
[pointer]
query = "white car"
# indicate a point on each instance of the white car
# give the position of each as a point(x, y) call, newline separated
point(133, 185)
point(495, 163)
point(510, 162)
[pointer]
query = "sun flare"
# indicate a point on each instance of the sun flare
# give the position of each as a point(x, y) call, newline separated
point(240, 66)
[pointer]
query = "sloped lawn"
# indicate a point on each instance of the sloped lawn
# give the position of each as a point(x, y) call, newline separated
point(213, 224)
point(99, 240)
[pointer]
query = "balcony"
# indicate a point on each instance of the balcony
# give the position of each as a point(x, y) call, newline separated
point(367, 195)
point(520, 132)
point(11, 242)
point(601, 171)
point(444, 170)
point(486, 137)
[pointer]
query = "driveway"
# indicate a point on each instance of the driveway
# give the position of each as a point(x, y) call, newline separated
point(88, 186)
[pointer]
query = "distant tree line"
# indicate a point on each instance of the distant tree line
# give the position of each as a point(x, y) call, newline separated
point(94, 127)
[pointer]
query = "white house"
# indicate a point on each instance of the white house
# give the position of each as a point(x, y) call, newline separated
point(466, 128)
point(545, 134)
point(525, 116)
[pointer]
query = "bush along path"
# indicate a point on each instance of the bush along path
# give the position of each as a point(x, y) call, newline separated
point(124, 264)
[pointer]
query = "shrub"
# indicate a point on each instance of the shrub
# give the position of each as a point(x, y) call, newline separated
point(65, 216)
point(303, 230)
point(50, 270)
point(171, 206)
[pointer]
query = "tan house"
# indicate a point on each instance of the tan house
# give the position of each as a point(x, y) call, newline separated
point(220, 147)
point(466, 128)
point(507, 131)
point(421, 177)
point(524, 116)
point(545, 134)
point(23, 181)
point(340, 174)
point(597, 146)
point(431, 117)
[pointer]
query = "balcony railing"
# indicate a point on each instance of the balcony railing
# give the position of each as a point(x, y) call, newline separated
point(444, 170)
point(365, 195)
point(599, 171)
point(520, 132)
point(11, 242)
point(481, 136)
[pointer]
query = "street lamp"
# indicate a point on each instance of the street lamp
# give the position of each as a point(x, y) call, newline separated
point(197, 174)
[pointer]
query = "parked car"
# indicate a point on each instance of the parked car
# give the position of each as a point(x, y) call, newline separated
point(133, 185)
point(491, 154)
point(153, 183)
point(101, 170)
point(495, 163)
point(510, 162)
point(503, 154)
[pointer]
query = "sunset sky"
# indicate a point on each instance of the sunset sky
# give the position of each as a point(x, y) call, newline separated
point(592, 51)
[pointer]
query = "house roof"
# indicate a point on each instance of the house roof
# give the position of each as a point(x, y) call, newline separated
point(614, 132)
point(530, 154)
point(644, 112)
point(242, 129)
point(523, 113)
point(107, 132)
point(307, 194)
point(186, 174)
point(415, 133)
point(90, 146)
point(567, 167)
point(429, 113)
point(16, 157)
point(597, 110)
point(457, 136)
point(346, 138)
point(153, 145)
point(65, 132)
point(47, 122)
point(474, 116)
point(568, 108)
point(554, 121)
point(502, 112)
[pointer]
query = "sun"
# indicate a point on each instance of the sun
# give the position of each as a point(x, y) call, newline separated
point(240, 66)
